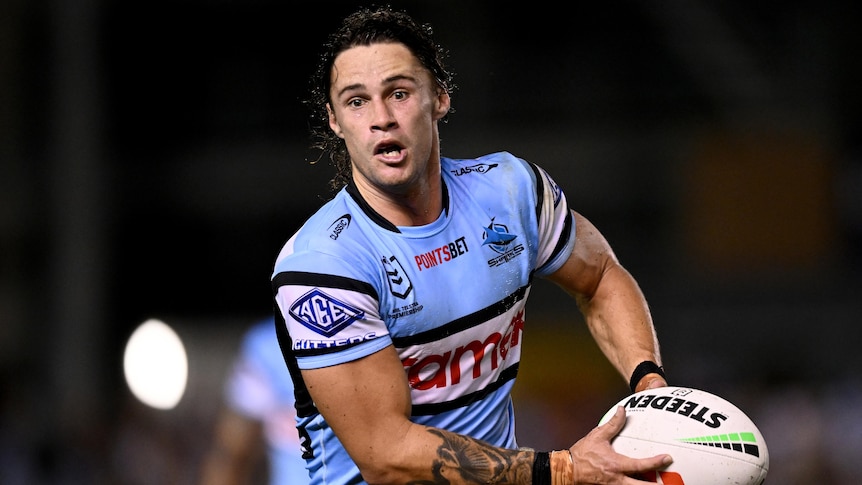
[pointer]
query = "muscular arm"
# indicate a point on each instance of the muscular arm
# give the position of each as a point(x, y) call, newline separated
point(612, 303)
point(367, 403)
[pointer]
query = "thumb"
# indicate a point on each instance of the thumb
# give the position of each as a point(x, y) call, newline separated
point(615, 424)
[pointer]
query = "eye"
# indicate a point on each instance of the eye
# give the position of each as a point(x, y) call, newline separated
point(355, 102)
point(400, 94)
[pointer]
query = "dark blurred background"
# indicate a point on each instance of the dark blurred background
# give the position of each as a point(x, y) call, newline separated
point(153, 160)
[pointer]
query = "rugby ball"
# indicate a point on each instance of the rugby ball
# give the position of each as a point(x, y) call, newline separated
point(711, 441)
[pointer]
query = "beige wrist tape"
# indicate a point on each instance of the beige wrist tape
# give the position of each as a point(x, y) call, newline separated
point(562, 468)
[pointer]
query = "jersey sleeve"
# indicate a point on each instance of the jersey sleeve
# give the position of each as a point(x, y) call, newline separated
point(556, 225)
point(329, 304)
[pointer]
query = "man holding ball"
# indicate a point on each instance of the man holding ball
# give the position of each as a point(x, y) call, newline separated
point(400, 304)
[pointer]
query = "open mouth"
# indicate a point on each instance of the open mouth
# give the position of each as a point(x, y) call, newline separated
point(388, 149)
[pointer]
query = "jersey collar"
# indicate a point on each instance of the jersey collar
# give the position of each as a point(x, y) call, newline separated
point(378, 219)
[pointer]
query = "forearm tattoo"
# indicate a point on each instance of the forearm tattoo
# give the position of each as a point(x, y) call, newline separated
point(461, 459)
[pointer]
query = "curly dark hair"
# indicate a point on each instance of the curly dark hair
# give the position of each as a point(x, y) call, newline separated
point(366, 26)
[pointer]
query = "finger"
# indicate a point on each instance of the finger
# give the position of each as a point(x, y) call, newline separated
point(657, 462)
point(615, 424)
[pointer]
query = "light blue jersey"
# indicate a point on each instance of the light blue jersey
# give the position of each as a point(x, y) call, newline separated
point(260, 388)
point(449, 296)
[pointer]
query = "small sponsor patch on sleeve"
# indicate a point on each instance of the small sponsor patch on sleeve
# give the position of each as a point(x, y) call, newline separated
point(324, 314)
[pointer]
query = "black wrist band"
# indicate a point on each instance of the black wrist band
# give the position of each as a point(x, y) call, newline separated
point(644, 368)
point(542, 468)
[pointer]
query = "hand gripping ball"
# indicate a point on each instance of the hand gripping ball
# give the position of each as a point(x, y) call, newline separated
point(711, 441)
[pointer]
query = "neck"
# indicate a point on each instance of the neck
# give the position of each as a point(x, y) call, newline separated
point(418, 206)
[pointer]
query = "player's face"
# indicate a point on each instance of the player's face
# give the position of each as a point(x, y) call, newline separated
point(385, 105)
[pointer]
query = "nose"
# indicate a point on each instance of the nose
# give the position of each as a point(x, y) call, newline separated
point(382, 118)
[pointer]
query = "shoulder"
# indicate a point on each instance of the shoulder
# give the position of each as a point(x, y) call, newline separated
point(483, 164)
point(328, 221)
point(322, 231)
point(497, 171)
point(334, 240)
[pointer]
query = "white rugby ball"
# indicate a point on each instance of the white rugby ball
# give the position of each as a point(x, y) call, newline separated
point(711, 441)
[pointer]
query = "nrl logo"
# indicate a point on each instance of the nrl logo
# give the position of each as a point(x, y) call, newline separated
point(399, 283)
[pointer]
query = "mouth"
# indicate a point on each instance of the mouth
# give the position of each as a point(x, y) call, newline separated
point(389, 150)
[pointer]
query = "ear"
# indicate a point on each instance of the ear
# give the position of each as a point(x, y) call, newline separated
point(442, 104)
point(333, 122)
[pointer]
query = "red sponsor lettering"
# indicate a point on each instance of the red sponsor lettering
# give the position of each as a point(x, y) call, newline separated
point(442, 254)
point(448, 368)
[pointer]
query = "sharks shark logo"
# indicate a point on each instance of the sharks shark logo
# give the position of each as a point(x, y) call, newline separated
point(497, 237)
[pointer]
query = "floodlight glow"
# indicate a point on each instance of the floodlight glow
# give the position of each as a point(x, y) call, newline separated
point(155, 365)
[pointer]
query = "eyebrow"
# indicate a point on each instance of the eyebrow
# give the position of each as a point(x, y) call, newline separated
point(388, 80)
